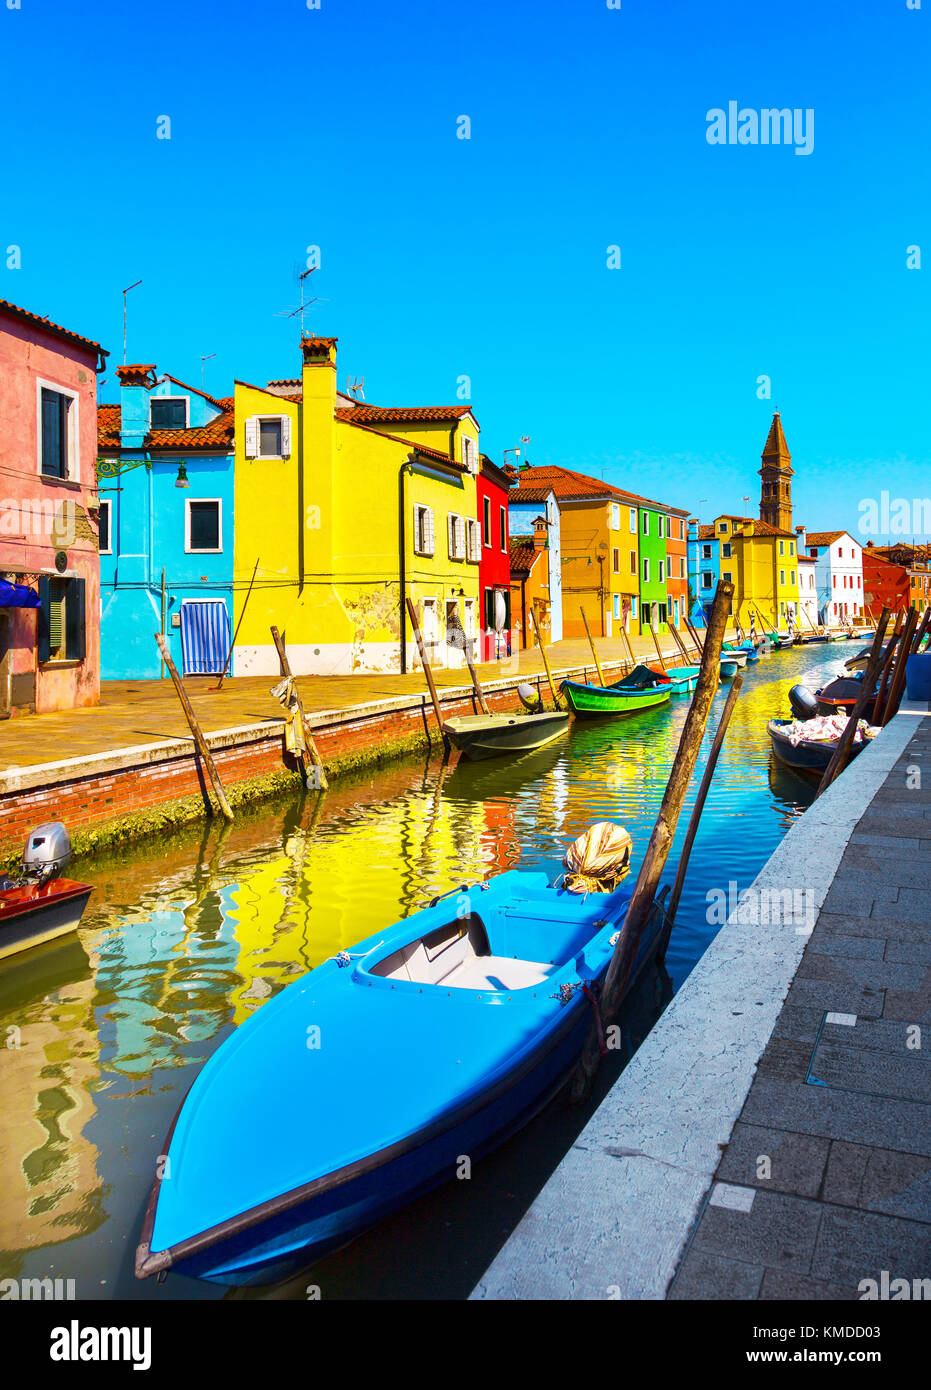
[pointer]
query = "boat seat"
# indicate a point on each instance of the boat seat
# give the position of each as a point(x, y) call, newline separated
point(457, 955)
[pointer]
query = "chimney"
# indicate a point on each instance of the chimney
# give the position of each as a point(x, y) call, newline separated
point(540, 533)
point(318, 388)
point(801, 545)
point(136, 380)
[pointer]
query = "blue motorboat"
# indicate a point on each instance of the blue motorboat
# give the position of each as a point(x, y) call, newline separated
point(682, 679)
point(364, 1083)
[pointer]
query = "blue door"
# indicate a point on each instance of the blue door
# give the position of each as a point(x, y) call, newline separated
point(205, 636)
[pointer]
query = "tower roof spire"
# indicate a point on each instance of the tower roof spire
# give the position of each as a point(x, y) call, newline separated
point(776, 450)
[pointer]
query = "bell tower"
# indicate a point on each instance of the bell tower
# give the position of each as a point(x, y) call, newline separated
point(776, 495)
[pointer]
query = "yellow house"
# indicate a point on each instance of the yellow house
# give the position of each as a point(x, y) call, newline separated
point(761, 561)
point(343, 510)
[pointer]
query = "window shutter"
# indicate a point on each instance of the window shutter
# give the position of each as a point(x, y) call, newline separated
point(42, 642)
point(251, 437)
point(460, 538)
point(285, 436)
point(451, 534)
point(418, 542)
point(75, 647)
point(428, 531)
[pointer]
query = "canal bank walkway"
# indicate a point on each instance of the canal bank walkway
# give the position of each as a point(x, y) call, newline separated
point(771, 1139)
point(134, 713)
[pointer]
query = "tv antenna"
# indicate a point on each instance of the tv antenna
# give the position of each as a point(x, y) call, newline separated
point(125, 293)
point(204, 359)
point(354, 388)
point(292, 313)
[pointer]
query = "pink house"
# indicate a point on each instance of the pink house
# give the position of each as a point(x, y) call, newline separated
point(49, 544)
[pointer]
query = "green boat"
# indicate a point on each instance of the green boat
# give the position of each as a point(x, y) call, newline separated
point(642, 689)
point(492, 735)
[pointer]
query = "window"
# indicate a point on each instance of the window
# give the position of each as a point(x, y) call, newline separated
point(633, 562)
point(455, 532)
point(646, 523)
point(486, 520)
point(706, 552)
point(662, 612)
point(725, 550)
point(791, 576)
point(61, 632)
point(782, 578)
point(722, 527)
point(791, 547)
point(706, 579)
point(503, 528)
point(617, 605)
point(726, 576)
point(661, 575)
point(168, 412)
point(473, 541)
point(616, 560)
point(646, 571)
point(423, 530)
point(57, 410)
point(682, 567)
point(104, 528)
point(633, 606)
point(659, 527)
point(468, 453)
point(615, 516)
point(268, 436)
point(633, 521)
point(202, 525)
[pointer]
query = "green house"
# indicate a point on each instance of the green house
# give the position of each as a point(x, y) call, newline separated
point(652, 527)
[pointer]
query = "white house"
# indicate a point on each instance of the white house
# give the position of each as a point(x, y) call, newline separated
point(807, 592)
point(522, 510)
point(838, 574)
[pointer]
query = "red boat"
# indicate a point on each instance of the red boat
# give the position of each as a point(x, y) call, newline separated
point(37, 905)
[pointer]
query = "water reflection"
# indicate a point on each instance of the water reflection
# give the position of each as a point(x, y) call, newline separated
point(180, 945)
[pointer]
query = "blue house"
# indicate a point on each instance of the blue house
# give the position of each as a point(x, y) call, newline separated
point(165, 472)
point(704, 570)
point(522, 510)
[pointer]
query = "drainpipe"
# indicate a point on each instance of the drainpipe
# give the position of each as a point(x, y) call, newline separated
point(402, 552)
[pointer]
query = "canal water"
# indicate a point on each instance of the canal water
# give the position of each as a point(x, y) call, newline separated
point(105, 1033)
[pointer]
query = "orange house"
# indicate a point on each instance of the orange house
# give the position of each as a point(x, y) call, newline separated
point(530, 589)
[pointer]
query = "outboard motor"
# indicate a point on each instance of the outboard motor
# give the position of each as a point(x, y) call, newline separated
point(803, 702)
point(48, 850)
point(529, 698)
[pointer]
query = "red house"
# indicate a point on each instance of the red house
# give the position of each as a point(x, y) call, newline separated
point(885, 585)
point(49, 550)
point(494, 569)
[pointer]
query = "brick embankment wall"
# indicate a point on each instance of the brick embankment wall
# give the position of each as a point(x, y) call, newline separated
point(138, 792)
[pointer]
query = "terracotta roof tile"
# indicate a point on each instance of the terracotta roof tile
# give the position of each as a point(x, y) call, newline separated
point(570, 486)
point(823, 537)
point(217, 435)
point(38, 321)
point(373, 414)
point(523, 554)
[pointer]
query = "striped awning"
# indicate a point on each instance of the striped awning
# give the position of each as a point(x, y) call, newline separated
point(205, 636)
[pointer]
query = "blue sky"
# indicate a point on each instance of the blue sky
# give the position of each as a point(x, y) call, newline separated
point(443, 257)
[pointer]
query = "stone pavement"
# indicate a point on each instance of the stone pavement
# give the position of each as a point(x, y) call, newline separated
point(826, 1180)
point(133, 713)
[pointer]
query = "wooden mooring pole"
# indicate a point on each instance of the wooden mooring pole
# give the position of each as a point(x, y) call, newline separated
point(705, 783)
point(592, 645)
point(242, 613)
point(844, 744)
point(631, 659)
point(894, 698)
point(643, 898)
point(421, 647)
point(476, 684)
point(659, 654)
point(546, 664)
point(320, 776)
point(199, 740)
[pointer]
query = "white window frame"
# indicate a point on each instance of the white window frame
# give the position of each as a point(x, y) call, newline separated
point(617, 607)
point(646, 523)
point(633, 521)
point(705, 551)
point(105, 502)
point(455, 535)
point(503, 528)
point(473, 541)
point(72, 473)
point(470, 454)
point(659, 522)
point(187, 412)
point(486, 511)
point(646, 569)
point(187, 526)
point(421, 510)
point(662, 578)
point(709, 576)
point(255, 422)
point(615, 516)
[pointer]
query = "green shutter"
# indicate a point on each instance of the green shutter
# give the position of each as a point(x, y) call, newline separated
point(75, 646)
point(42, 642)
